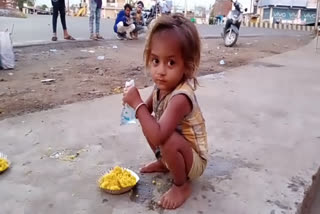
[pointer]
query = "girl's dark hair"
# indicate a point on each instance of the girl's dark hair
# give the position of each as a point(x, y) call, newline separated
point(189, 39)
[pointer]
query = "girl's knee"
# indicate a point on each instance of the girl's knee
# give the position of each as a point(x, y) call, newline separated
point(166, 150)
point(170, 146)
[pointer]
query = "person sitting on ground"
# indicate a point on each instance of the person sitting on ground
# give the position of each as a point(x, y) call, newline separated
point(138, 20)
point(123, 25)
point(176, 133)
point(59, 7)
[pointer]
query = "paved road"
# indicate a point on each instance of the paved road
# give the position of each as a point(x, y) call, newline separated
point(38, 28)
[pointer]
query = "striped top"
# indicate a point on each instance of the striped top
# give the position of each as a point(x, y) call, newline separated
point(192, 127)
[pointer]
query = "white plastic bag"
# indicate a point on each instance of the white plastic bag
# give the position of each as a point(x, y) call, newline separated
point(7, 60)
point(128, 114)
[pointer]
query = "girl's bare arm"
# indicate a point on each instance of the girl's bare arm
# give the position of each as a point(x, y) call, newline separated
point(157, 132)
point(149, 103)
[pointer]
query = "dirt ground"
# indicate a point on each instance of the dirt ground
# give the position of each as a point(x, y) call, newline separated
point(80, 72)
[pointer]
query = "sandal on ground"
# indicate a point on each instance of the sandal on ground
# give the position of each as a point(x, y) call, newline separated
point(93, 37)
point(54, 38)
point(99, 37)
point(69, 38)
point(121, 36)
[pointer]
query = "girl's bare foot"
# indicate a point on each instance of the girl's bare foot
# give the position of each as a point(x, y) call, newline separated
point(156, 166)
point(175, 196)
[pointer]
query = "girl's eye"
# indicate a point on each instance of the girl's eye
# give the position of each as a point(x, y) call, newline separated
point(155, 61)
point(171, 63)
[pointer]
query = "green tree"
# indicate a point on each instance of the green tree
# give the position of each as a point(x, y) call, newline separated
point(20, 4)
point(30, 3)
point(132, 2)
point(44, 7)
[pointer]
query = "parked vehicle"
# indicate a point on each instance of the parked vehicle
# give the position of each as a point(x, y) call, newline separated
point(153, 14)
point(43, 12)
point(231, 29)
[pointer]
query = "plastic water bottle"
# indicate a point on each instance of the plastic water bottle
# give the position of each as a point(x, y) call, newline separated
point(128, 114)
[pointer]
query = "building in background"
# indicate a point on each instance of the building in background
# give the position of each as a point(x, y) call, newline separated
point(200, 15)
point(221, 7)
point(10, 8)
point(110, 8)
point(8, 4)
point(301, 12)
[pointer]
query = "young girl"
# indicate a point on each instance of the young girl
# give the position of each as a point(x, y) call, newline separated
point(176, 133)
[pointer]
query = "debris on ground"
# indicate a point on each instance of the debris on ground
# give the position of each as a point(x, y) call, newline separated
point(117, 90)
point(55, 155)
point(100, 58)
point(10, 74)
point(65, 155)
point(218, 76)
point(53, 50)
point(48, 81)
point(114, 47)
point(91, 51)
point(138, 68)
point(21, 92)
point(29, 132)
point(222, 62)
point(71, 157)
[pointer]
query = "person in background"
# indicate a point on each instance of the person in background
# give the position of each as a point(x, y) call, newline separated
point(123, 25)
point(166, 6)
point(138, 20)
point(95, 13)
point(59, 7)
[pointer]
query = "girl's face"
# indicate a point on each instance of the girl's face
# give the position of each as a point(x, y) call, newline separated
point(167, 65)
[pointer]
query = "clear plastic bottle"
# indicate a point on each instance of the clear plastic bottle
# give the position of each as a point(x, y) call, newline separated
point(128, 114)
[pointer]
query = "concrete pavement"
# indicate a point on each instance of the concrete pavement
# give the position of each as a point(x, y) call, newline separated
point(263, 126)
point(38, 29)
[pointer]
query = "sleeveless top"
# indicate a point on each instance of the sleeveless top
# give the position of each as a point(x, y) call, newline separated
point(192, 126)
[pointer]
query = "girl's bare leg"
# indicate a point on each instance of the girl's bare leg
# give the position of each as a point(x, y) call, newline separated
point(177, 154)
point(155, 166)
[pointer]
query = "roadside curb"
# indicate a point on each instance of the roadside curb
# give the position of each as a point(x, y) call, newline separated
point(219, 36)
point(280, 26)
point(44, 43)
point(30, 44)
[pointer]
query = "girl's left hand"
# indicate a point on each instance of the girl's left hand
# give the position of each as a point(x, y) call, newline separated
point(131, 96)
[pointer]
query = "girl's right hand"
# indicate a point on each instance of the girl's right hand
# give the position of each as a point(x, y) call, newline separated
point(132, 97)
point(125, 91)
